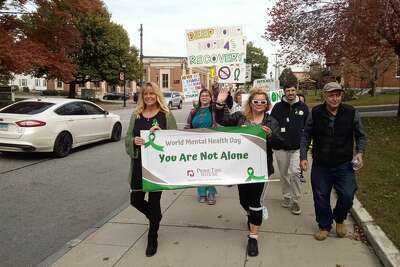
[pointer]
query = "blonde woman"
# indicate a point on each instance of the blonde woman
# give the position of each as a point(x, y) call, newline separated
point(251, 195)
point(151, 114)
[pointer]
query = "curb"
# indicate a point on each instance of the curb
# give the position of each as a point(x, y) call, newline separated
point(384, 248)
point(378, 106)
point(51, 259)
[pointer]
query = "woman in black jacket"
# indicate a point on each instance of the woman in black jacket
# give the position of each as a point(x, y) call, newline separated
point(251, 195)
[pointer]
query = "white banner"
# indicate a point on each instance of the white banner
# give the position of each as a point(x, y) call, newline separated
point(191, 86)
point(215, 46)
point(234, 73)
point(174, 159)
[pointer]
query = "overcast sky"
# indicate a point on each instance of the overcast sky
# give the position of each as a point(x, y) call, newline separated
point(165, 22)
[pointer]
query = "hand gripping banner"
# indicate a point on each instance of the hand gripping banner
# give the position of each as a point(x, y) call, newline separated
point(173, 159)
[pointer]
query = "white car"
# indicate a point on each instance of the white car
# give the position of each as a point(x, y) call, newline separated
point(173, 99)
point(55, 125)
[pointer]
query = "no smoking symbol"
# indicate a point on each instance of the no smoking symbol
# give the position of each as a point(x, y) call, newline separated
point(224, 73)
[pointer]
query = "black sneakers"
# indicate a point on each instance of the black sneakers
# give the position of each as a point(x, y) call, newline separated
point(252, 247)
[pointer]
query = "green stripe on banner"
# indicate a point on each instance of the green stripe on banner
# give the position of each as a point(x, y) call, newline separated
point(250, 130)
point(149, 186)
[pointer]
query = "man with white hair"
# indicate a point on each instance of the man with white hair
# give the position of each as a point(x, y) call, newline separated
point(333, 127)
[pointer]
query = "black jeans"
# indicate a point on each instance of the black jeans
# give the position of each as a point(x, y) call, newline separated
point(323, 179)
point(251, 198)
point(150, 208)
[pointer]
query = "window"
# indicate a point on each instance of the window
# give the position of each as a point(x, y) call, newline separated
point(165, 81)
point(59, 84)
point(23, 82)
point(96, 84)
point(81, 84)
point(167, 94)
point(44, 83)
point(27, 107)
point(92, 109)
point(74, 108)
point(37, 82)
point(398, 68)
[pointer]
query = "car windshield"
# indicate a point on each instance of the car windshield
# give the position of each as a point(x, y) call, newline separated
point(167, 94)
point(27, 107)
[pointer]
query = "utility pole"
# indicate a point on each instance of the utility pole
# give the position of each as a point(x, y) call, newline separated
point(141, 54)
point(124, 80)
point(276, 65)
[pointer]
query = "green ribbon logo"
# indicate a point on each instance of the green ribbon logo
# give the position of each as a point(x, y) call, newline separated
point(151, 143)
point(154, 122)
point(252, 177)
point(236, 74)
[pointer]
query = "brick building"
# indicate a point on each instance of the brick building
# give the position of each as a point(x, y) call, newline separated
point(167, 72)
point(388, 80)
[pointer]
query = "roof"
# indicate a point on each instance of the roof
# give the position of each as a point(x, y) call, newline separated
point(54, 100)
point(173, 57)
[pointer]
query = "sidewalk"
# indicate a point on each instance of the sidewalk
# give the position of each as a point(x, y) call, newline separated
point(194, 234)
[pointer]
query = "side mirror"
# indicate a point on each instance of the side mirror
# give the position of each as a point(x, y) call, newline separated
point(105, 112)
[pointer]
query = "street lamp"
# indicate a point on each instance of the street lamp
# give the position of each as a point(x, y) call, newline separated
point(123, 78)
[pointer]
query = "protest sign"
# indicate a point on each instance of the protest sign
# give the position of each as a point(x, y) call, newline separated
point(191, 86)
point(215, 46)
point(275, 96)
point(233, 73)
point(173, 159)
point(248, 73)
point(266, 83)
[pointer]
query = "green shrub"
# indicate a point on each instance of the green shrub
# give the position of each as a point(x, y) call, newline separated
point(349, 95)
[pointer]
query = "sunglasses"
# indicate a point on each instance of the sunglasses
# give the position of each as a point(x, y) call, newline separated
point(255, 102)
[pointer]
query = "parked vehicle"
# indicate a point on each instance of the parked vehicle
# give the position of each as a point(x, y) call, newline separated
point(115, 96)
point(55, 125)
point(173, 99)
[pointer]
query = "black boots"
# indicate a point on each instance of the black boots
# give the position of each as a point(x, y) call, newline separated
point(152, 236)
point(252, 247)
point(151, 245)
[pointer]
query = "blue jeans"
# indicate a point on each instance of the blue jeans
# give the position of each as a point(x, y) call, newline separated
point(323, 178)
point(203, 191)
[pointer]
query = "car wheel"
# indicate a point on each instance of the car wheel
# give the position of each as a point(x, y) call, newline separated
point(62, 145)
point(170, 105)
point(116, 132)
point(180, 105)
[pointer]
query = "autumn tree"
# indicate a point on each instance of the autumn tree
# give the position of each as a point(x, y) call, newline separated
point(340, 30)
point(41, 40)
point(354, 29)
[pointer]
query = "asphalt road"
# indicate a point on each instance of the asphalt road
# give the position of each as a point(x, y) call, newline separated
point(46, 202)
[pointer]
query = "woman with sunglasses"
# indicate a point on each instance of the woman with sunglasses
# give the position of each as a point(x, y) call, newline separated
point(251, 195)
point(151, 114)
point(203, 117)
